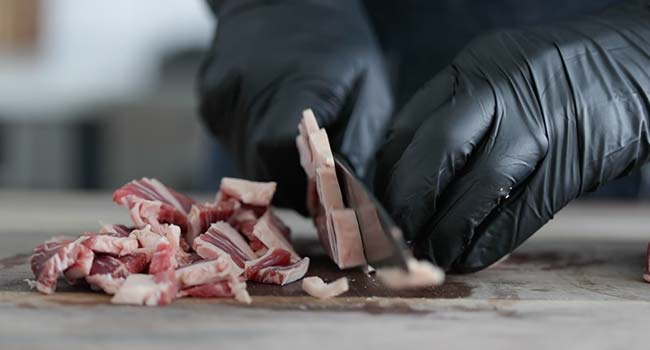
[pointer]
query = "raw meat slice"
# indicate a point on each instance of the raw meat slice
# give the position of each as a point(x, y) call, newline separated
point(316, 287)
point(281, 275)
point(111, 243)
point(347, 244)
point(51, 258)
point(321, 153)
point(267, 232)
point(420, 274)
point(248, 192)
point(116, 230)
point(109, 272)
point(220, 239)
point(152, 190)
point(150, 290)
point(82, 265)
point(337, 228)
point(328, 189)
point(274, 257)
point(228, 288)
point(207, 271)
point(201, 217)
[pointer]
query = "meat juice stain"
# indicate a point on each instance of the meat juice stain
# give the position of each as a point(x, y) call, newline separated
point(13, 261)
point(362, 285)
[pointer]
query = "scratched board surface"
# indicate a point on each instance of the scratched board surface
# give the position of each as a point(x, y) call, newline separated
point(563, 269)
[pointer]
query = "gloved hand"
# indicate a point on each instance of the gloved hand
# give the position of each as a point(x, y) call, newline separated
point(521, 123)
point(269, 61)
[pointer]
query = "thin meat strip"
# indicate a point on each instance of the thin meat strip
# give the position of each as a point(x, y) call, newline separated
point(316, 287)
point(202, 216)
point(152, 203)
point(111, 243)
point(337, 227)
point(270, 234)
point(206, 271)
point(153, 190)
point(222, 239)
point(234, 288)
point(275, 267)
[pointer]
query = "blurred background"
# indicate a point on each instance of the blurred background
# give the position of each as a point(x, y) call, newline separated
point(96, 93)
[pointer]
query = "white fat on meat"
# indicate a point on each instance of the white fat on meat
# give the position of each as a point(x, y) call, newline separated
point(82, 265)
point(305, 156)
point(308, 123)
point(150, 241)
point(208, 271)
point(267, 231)
point(328, 189)
point(231, 287)
point(149, 290)
point(316, 287)
point(107, 243)
point(50, 259)
point(106, 283)
point(248, 192)
point(321, 152)
point(420, 274)
point(116, 230)
point(348, 247)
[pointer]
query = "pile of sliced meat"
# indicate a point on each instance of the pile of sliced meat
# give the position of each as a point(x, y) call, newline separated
point(177, 247)
point(337, 226)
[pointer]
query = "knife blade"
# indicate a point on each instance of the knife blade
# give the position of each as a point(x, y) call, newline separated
point(382, 239)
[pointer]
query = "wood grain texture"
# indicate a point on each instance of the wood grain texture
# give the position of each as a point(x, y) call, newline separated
point(573, 279)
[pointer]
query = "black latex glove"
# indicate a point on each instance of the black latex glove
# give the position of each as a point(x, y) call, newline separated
point(522, 122)
point(269, 61)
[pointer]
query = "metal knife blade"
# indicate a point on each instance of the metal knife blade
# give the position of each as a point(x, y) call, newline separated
point(383, 243)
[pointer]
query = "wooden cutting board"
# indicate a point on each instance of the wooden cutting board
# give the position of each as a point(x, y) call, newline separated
point(546, 270)
point(581, 275)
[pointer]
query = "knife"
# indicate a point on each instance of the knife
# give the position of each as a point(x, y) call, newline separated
point(382, 239)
